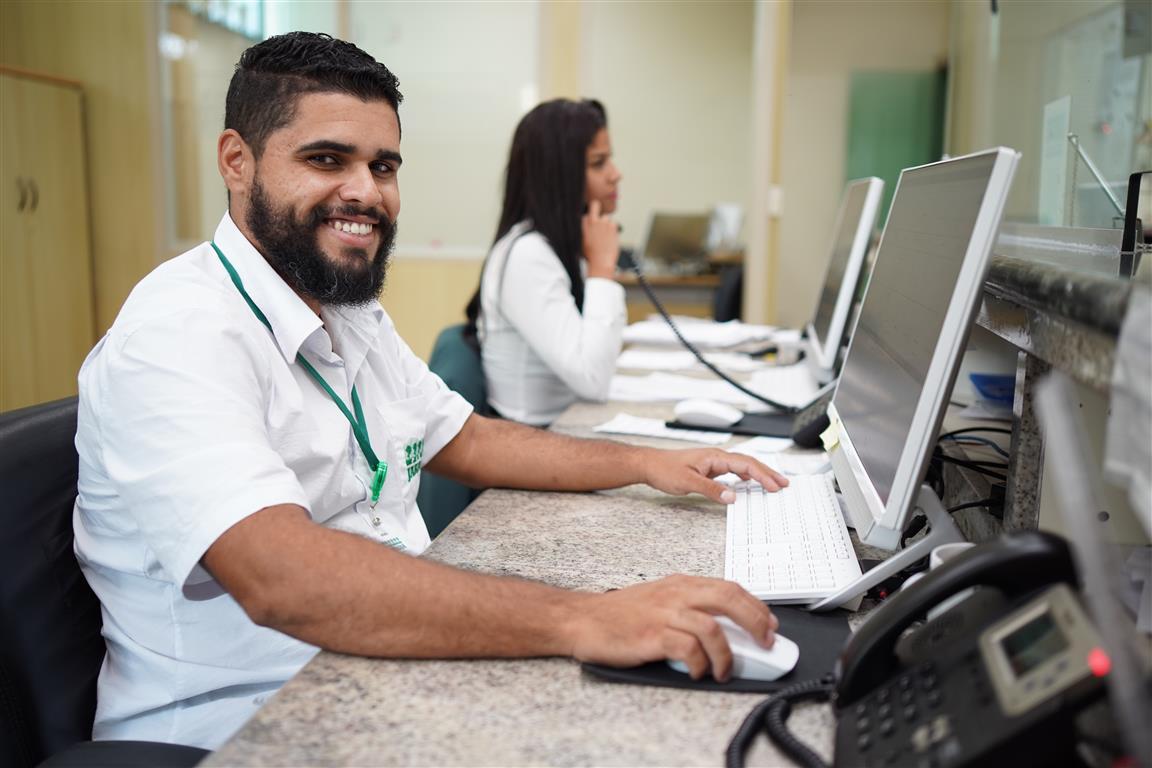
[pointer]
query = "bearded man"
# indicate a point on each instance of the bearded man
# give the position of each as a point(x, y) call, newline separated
point(252, 432)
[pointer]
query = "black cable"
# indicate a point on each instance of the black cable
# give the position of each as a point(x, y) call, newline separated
point(972, 504)
point(687, 345)
point(998, 430)
point(972, 466)
point(773, 714)
point(918, 523)
point(979, 462)
point(738, 747)
point(973, 440)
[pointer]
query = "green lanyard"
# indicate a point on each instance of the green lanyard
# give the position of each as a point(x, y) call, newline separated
point(359, 425)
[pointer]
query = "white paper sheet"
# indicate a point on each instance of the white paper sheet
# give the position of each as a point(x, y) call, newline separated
point(705, 335)
point(781, 454)
point(627, 424)
point(683, 360)
point(788, 384)
point(669, 387)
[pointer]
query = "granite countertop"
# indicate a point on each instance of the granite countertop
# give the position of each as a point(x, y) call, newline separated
point(1096, 300)
point(1069, 318)
point(345, 710)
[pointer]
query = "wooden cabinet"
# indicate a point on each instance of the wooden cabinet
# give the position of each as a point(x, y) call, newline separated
point(46, 295)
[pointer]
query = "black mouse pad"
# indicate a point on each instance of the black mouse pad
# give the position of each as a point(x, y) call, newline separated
point(820, 636)
point(753, 424)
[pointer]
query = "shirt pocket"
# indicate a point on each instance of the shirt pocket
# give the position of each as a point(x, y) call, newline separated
point(402, 426)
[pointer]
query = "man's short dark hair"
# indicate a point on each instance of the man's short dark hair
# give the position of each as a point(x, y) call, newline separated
point(272, 75)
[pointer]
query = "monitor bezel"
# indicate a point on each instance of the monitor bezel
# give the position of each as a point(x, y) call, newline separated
point(878, 523)
point(822, 352)
point(702, 218)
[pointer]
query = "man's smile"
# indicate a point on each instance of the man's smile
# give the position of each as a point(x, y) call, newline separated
point(351, 227)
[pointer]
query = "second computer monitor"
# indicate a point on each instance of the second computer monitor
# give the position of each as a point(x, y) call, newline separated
point(920, 303)
point(851, 235)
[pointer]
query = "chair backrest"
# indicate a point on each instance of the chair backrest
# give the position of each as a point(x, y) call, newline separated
point(728, 301)
point(458, 363)
point(50, 643)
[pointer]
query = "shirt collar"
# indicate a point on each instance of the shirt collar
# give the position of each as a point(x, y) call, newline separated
point(354, 331)
point(291, 320)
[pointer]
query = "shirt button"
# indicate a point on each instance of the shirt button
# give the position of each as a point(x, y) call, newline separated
point(376, 522)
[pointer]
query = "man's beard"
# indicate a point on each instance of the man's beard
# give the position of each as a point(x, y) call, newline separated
point(292, 248)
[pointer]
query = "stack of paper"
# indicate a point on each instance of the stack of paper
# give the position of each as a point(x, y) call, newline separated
point(682, 360)
point(703, 335)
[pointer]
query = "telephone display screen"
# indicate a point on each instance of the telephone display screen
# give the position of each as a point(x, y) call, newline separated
point(1032, 644)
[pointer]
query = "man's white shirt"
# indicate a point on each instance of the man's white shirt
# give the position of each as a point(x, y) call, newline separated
point(192, 417)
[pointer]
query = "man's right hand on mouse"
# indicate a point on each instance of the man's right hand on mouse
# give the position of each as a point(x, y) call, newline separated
point(672, 618)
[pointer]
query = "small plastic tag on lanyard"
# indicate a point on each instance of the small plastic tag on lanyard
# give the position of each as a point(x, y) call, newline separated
point(378, 481)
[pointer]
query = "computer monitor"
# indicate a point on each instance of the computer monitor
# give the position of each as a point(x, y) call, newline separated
point(851, 235)
point(677, 242)
point(906, 348)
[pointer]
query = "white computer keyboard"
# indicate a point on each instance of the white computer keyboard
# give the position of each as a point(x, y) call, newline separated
point(789, 546)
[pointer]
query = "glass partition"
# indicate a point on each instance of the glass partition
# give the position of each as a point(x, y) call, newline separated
point(1068, 84)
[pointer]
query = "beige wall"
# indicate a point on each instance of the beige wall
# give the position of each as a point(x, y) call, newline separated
point(676, 78)
point(830, 40)
point(424, 295)
point(108, 48)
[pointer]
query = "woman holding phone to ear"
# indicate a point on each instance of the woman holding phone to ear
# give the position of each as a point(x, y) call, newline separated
point(548, 313)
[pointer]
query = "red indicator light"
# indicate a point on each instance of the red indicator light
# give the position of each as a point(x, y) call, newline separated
point(1099, 662)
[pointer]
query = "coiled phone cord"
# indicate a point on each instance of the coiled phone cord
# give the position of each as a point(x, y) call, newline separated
point(688, 345)
point(772, 714)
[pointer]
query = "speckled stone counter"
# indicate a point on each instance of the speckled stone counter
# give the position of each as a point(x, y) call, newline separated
point(1067, 318)
point(1058, 317)
point(344, 710)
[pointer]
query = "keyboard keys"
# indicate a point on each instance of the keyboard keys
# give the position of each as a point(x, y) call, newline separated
point(790, 545)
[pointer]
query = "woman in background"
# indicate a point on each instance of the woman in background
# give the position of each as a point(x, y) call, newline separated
point(548, 313)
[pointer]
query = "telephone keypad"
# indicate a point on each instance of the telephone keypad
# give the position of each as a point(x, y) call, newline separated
point(902, 722)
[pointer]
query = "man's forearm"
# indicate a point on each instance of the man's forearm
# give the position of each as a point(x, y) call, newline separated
point(492, 452)
point(345, 593)
point(348, 594)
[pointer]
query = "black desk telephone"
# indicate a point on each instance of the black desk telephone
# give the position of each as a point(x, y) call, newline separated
point(996, 678)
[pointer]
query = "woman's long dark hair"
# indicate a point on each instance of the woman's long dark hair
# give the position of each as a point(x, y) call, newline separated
point(545, 183)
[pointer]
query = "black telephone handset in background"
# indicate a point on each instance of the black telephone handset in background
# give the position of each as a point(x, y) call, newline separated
point(999, 676)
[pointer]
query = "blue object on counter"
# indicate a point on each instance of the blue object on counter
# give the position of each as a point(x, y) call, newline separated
point(997, 387)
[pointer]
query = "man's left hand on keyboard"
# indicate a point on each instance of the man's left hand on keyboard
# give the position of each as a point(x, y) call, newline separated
point(692, 470)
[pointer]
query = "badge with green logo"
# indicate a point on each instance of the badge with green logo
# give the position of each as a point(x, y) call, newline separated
point(413, 453)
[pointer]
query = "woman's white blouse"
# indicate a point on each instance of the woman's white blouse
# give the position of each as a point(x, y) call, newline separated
point(540, 352)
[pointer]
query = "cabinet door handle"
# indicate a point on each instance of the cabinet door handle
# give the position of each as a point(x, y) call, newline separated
point(35, 195)
point(23, 201)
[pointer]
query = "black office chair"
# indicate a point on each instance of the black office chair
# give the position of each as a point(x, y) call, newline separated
point(458, 363)
point(51, 648)
point(728, 300)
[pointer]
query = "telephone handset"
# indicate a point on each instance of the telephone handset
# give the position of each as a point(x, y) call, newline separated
point(980, 682)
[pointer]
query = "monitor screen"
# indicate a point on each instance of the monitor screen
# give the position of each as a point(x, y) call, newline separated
point(916, 314)
point(851, 235)
point(677, 241)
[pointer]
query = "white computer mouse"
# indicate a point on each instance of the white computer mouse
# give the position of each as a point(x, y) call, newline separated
point(707, 413)
point(749, 660)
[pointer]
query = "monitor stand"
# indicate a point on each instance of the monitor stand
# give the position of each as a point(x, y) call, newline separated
point(942, 530)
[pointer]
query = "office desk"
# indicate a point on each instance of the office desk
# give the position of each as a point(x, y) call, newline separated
point(344, 710)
